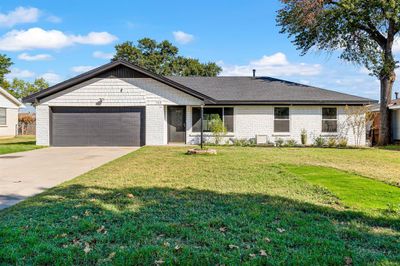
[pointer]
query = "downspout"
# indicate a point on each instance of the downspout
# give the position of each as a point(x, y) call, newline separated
point(201, 126)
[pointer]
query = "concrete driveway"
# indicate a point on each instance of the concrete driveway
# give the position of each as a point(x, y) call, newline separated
point(25, 174)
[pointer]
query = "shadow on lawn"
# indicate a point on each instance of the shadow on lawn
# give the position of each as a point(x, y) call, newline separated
point(188, 226)
point(33, 142)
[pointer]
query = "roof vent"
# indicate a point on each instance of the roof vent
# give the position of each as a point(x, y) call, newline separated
point(254, 73)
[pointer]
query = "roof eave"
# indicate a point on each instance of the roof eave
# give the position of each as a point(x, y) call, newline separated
point(11, 98)
point(224, 102)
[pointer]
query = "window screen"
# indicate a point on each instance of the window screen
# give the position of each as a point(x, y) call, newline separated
point(3, 116)
point(281, 119)
point(329, 120)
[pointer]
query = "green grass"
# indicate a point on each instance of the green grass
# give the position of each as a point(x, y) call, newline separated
point(17, 144)
point(242, 206)
point(392, 147)
point(352, 190)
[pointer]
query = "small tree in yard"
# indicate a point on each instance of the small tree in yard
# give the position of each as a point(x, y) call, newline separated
point(364, 31)
point(357, 120)
point(217, 128)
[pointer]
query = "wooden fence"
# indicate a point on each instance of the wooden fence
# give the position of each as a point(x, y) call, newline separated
point(26, 124)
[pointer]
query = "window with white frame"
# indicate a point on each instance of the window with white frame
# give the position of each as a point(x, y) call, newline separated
point(281, 120)
point(3, 116)
point(329, 120)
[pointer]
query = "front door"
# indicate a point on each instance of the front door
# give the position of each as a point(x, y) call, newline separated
point(176, 124)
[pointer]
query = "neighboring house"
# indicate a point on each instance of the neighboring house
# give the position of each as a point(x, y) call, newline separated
point(122, 104)
point(394, 108)
point(9, 106)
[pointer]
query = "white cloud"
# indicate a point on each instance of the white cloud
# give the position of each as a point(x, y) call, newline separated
point(51, 77)
point(19, 15)
point(37, 57)
point(19, 73)
point(183, 37)
point(102, 55)
point(364, 70)
point(53, 19)
point(396, 45)
point(130, 24)
point(38, 38)
point(276, 65)
point(81, 69)
point(304, 81)
point(278, 59)
point(94, 38)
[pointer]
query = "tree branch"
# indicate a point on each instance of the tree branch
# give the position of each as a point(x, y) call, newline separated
point(373, 32)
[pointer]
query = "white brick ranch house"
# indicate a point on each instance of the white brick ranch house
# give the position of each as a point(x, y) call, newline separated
point(120, 104)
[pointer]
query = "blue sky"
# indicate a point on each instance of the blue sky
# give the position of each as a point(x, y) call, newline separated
point(60, 39)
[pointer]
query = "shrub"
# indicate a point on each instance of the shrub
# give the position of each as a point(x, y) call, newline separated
point(303, 137)
point(332, 142)
point(319, 141)
point(217, 128)
point(238, 142)
point(291, 143)
point(244, 142)
point(252, 142)
point(279, 142)
point(342, 143)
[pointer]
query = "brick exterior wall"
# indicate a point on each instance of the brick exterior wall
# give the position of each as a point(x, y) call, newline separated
point(42, 125)
point(250, 121)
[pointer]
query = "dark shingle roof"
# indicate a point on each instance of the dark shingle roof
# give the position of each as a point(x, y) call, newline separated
point(264, 89)
point(217, 90)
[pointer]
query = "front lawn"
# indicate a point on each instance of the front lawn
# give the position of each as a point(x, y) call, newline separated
point(392, 147)
point(20, 143)
point(243, 206)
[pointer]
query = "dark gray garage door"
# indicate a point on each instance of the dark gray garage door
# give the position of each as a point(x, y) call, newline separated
point(97, 126)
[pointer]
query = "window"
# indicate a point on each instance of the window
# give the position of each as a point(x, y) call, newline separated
point(329, 120)
point(3, 116)
point(224, 113)
point(281, 119)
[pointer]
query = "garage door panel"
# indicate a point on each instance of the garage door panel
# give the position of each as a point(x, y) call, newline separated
point(97, 126)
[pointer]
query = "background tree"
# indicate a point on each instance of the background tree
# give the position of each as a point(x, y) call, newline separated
point(5, 64)
point(357, 119)
point(163, 58)
point(20, 88)
point(363, 31)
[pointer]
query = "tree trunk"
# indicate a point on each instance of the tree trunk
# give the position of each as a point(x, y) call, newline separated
point(387, 78)
point(386, 98)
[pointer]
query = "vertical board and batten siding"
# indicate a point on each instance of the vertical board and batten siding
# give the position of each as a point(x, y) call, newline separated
point(250, 121)
point(113, 92)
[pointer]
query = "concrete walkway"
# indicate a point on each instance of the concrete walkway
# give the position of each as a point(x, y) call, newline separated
point(24, 174)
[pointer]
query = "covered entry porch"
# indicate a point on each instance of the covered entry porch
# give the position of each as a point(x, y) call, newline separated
point(191, 124)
